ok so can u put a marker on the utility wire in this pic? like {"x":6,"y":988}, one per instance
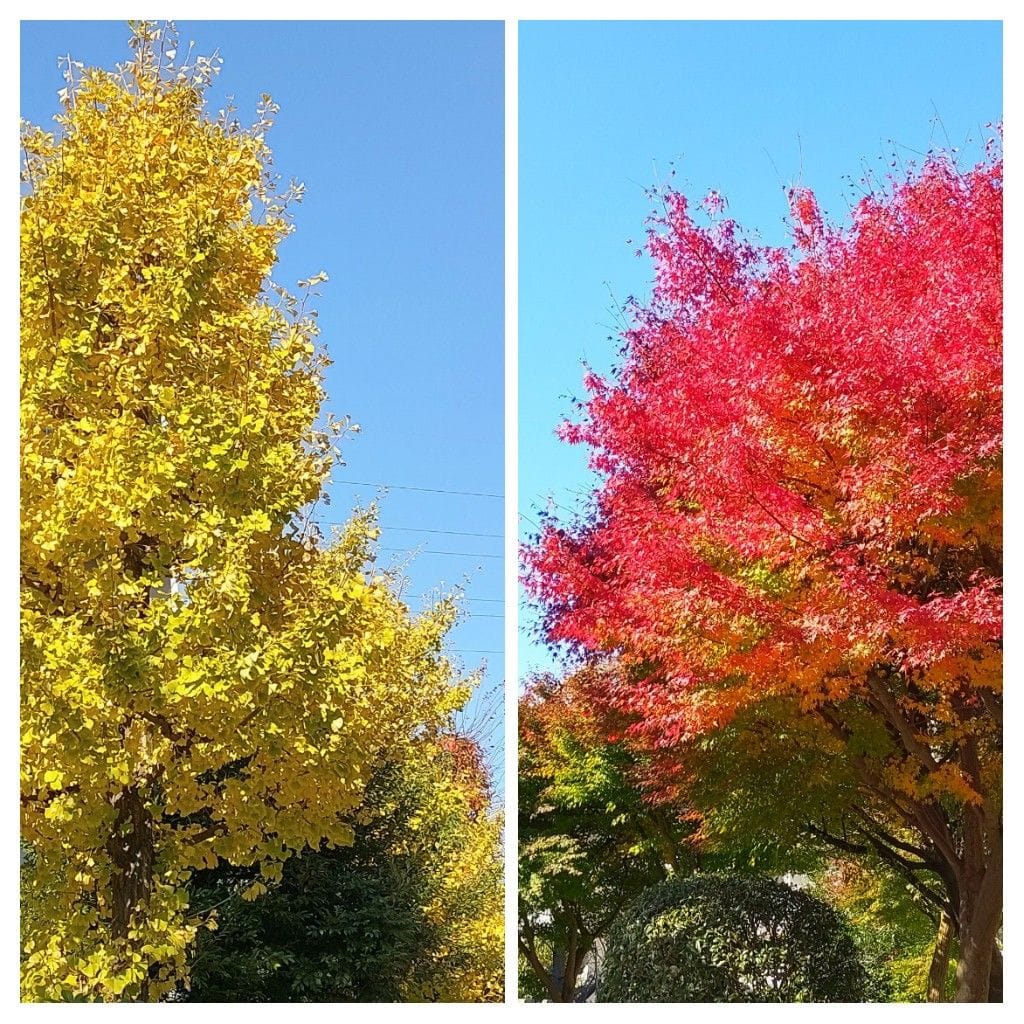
{"x":452,"y":533}
{"x":417,"y":529}
{"x":428,"y":490}
{"x":434,"y":551}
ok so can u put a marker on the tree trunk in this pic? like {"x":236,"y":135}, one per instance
{"x":527,"y":948}
{"x":130,"y":847}
{"x":940,"y":961}
{"x":974,"y":969}
{"x":995,"y":984}
{"x":981,"y":910}
{"x":558,"y":968}
{"x":566,"y":962}
{"x":572,"y":988}
{"x":570,"y":968}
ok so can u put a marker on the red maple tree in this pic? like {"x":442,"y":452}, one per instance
{"x":800,"y":499}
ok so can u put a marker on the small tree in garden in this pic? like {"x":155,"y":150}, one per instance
{"x":203,"y":680}
{"x":589,"y":839}
{"x":801,"y":507}
{"x":729,"y":939}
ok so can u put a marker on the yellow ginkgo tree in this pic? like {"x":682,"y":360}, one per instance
{"x":203,"y":678}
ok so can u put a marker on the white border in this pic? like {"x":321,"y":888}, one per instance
{"x":528,"y":10}
{"x":466,"y":9}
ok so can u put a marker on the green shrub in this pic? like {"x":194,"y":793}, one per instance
{"x":731,"y":939}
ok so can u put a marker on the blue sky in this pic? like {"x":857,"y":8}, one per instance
{"x":397,"y":131}
{"x":608,"y":108}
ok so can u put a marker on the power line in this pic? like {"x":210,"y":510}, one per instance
{"x":470,"y":650}
{"x":484,"y":600}
{"x":416,"y":529}
{"x":463,"y":437}
{"x":453,"y":533}
{"x":428,"y":490}
{"x":434,"y":551}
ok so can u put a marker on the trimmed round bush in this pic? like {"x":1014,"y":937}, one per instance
{"x":731,"y":939}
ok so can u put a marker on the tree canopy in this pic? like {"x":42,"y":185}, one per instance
{"x":205,"y":678}
{"x":411,"y":911}
{"x":800,"y":505}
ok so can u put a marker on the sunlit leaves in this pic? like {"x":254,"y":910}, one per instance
{"x":203,"y":679}
{"x":800,"y":462}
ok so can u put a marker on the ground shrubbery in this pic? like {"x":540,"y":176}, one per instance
{"x":721,"y":938}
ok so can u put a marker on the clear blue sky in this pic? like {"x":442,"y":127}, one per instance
{"x":397,"y":131}
{"x":743,"y":107}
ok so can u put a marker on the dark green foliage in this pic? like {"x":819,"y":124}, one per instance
{"x":338,"y":928}
{"x":342,"y":925}
{"x":896,"y":974}
{"x":729,"y":939}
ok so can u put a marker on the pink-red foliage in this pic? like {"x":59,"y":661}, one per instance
{"x":801,"y":464}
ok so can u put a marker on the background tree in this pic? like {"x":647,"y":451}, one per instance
{"x":904,"y":947}
{"x":458,"y":836}
{"x":203,"y":679}
{"x":378,"y":921}
{"x":775,"y":794}
{"x":802,"y":501}
{"x":588,"y":838}
{"x":763,"y":796}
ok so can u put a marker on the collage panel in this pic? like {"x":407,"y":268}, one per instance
{"x":262,"y":433}
{"x":760,"y":505}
